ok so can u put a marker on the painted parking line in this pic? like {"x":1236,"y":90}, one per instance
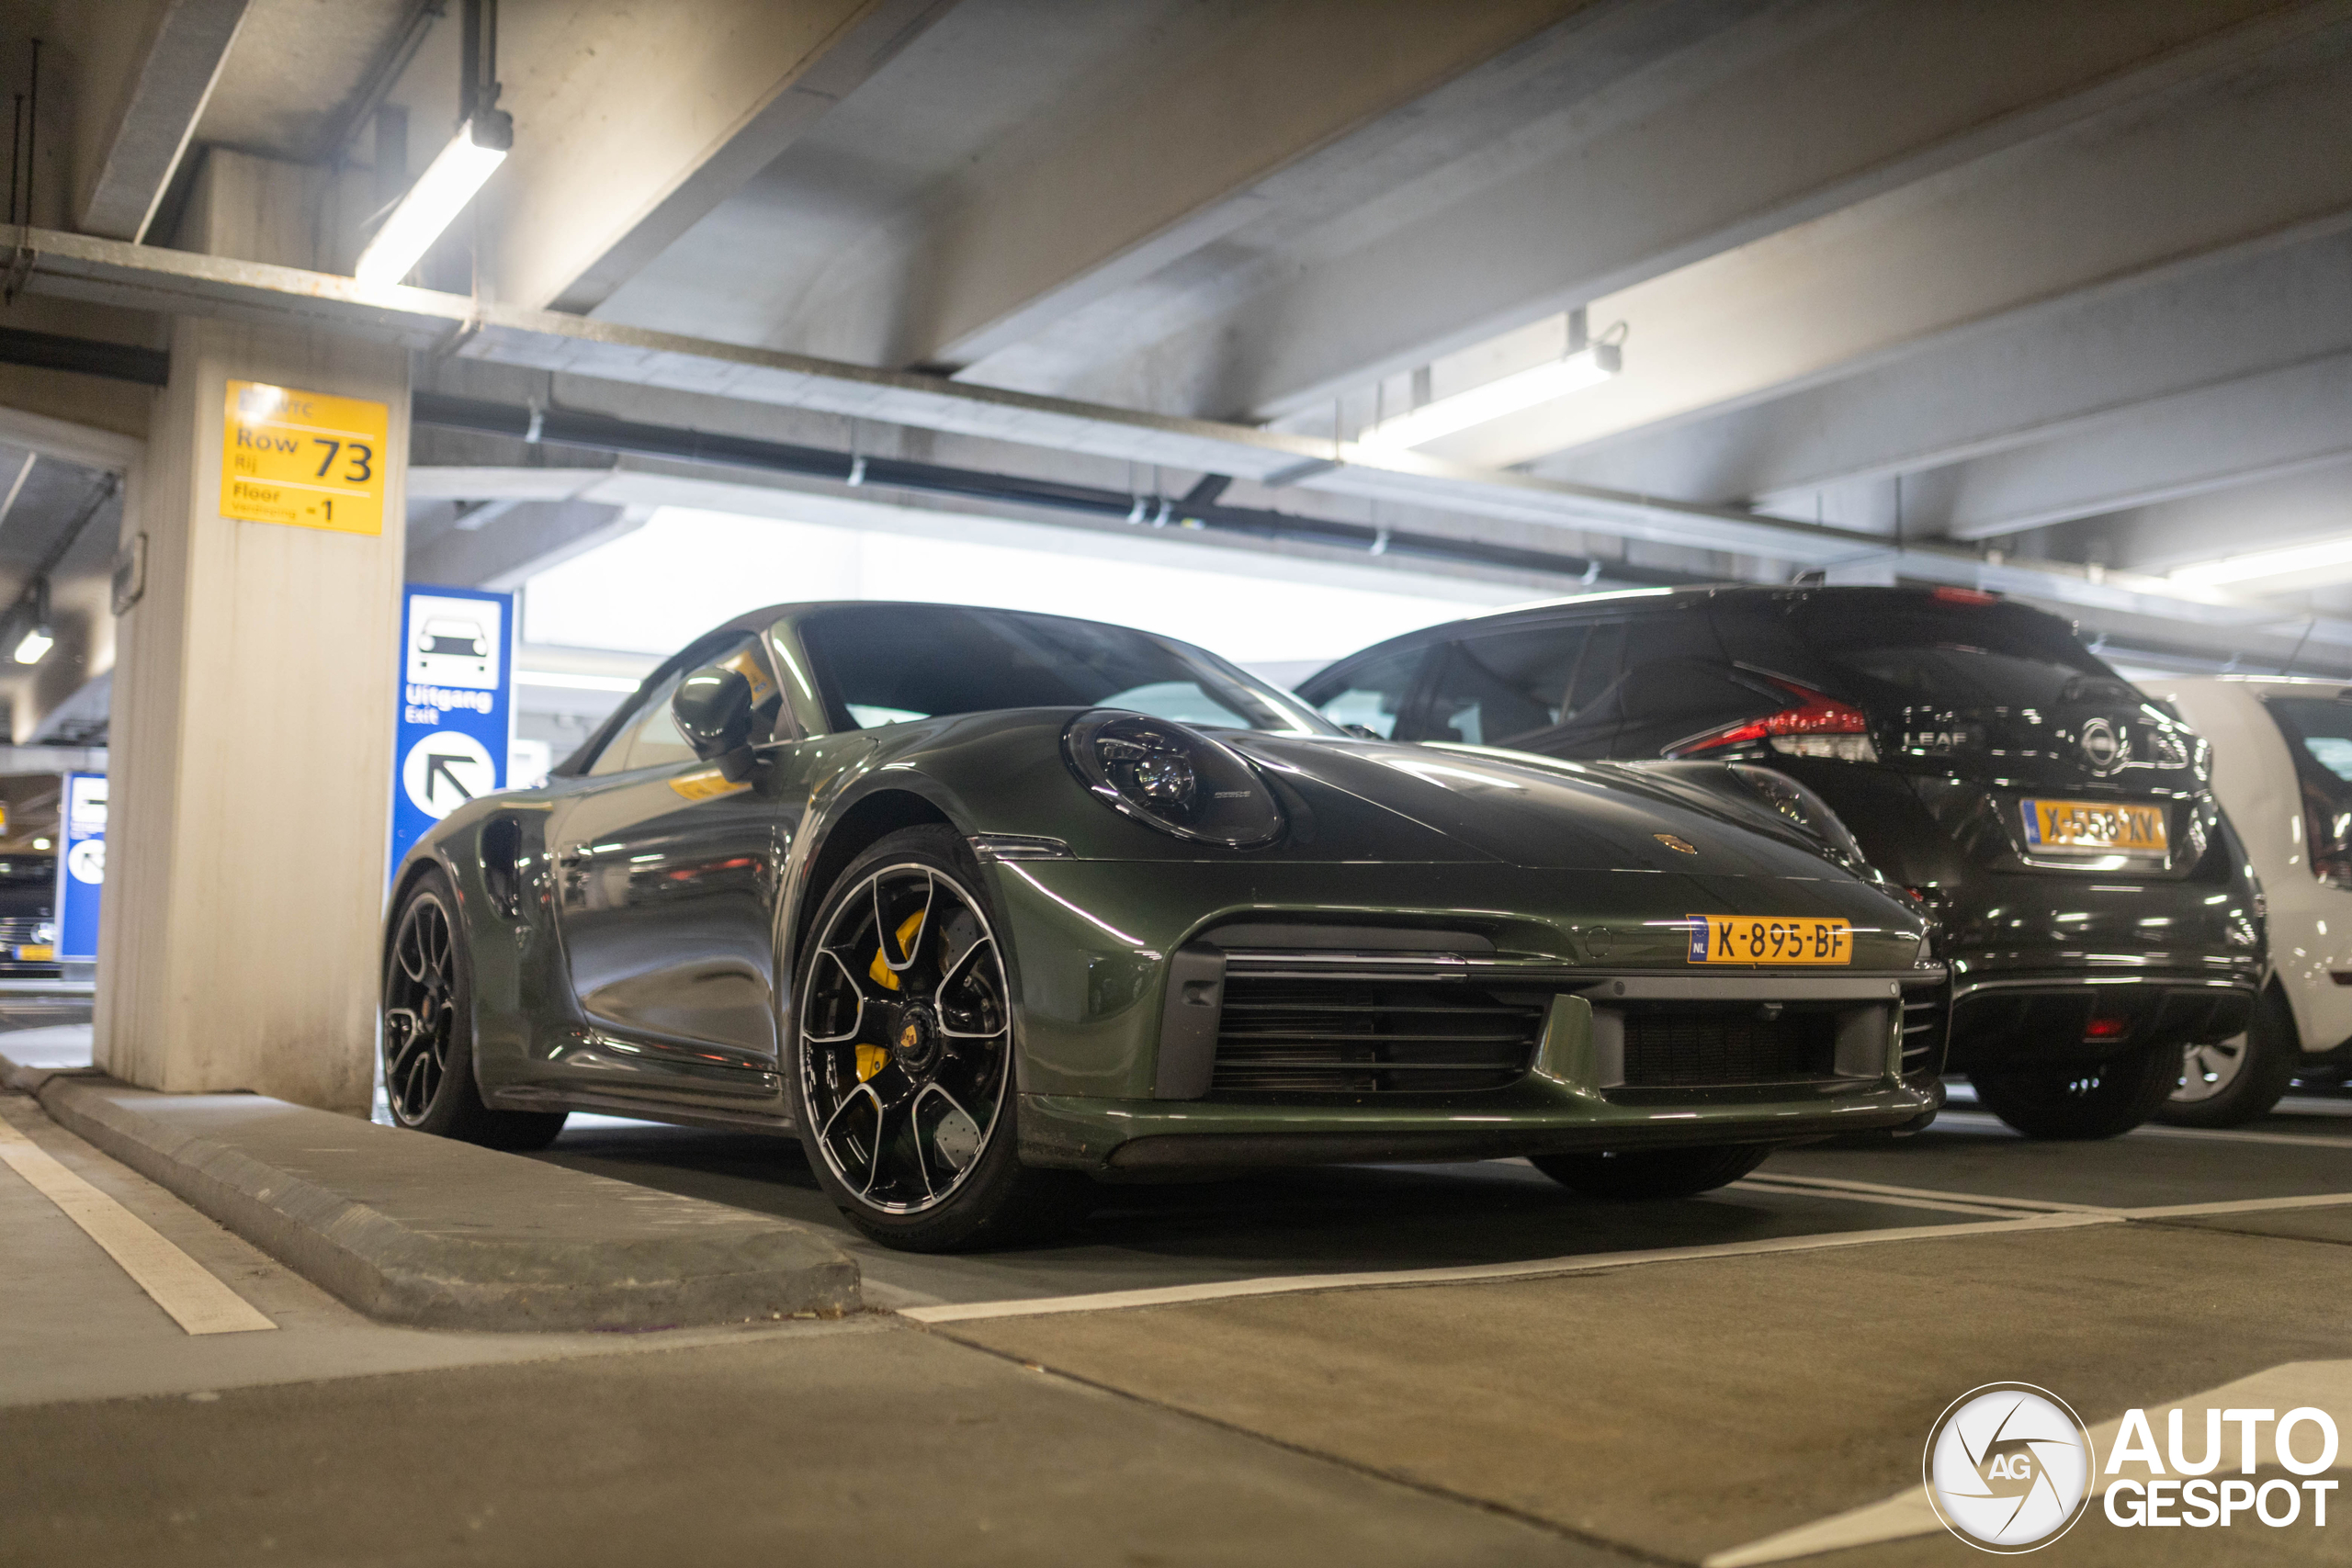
{"x":1934,"y":1197}
{"x":1829,"y":1185}
{"x":1476,"y":1273}
{"x":2240,"y":1206}
{"x":1937,"y":1203}
{"x":178,"y":1284}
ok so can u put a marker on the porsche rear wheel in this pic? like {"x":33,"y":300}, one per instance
{"x":903,"y":1059}
{"x":1632,"y":1175}
{"x":428,"y":1030}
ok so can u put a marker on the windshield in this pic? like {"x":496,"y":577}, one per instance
{"x":1966,"y":657}
{"x":887,"y":663}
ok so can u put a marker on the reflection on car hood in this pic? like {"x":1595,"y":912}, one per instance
{"x":1532,"y":811}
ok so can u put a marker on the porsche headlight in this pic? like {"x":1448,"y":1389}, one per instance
{"x":1806,"y":809}
{"x":1174,"y":778}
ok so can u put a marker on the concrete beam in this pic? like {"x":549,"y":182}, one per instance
{"x":1800,"y":114}
{"x":2040,"y":374}
{"x":2294,"y":509}
{"x":2263,"y":158}
{"x":2261,"y":427}
{"x":526,"y":538}
{"x":636,"y":120}
{"x":197,"y":286}
{"x":1140,"y":172}
{"x":131,"y":162}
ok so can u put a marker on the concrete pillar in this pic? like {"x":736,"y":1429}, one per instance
{"x":252,"y":734}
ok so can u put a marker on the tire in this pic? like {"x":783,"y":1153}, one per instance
{"x":2240,"y":1079}
{"x":2103,"y":1100}
{"x":1634,"y":1174}
{"x":902,"y":1089}
{"x":428,"y":1059}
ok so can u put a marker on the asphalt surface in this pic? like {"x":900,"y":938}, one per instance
{"x":1660,"y":1383}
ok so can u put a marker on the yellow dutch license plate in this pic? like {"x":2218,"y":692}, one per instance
{"x":31,"y":953}
{"x":1752,"y":939}
{"x":2095,"y":827}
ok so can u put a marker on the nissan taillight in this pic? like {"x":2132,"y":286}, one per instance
{"x":1817,"y":726}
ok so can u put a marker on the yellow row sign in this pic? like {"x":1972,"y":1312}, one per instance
{"x":304,"y":458}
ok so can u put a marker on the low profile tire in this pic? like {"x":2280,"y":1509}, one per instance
{"x":428,"y":1030}
{"x":2102,"y":1100}
{"x":2234,"y":1080}
{"x":1638,"y":1173}
{"x":903,"y":1057}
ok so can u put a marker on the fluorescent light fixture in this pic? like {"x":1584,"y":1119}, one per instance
{"x":2292,"y":561}
{"x":35,"y":646}
{"x":569,"y":682}
{"x":434,"y":202}
{"x":1588,"y":367}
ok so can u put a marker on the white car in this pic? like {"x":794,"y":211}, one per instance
{"x":2282,"y":769}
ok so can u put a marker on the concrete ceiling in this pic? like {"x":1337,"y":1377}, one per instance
{"x":2062,"y":291}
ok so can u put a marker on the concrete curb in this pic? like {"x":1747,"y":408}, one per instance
{"x":442,"y":1234}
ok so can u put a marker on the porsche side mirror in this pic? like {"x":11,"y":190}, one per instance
{"x":713,"y":707}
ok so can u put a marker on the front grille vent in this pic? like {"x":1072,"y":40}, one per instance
{"x":1287,"y":1034}
{"x":1696,"y":1049}
{"x":1926,"y":1024}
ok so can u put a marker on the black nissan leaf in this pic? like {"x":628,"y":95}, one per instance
{"x":2096,"y":910}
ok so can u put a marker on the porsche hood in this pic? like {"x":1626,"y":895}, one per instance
{"x":1530,"y":812}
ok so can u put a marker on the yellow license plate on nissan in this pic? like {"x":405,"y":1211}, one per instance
{"x":1766,"y":939}
{"x":2094,"y":827}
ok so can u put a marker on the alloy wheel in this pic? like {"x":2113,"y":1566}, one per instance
{"x":2209,"y":1068}
{"x":905,"y":1039}
{"x":420,"y":1011}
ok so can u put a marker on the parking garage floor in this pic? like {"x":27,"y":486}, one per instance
{"x":1451,"y":1364}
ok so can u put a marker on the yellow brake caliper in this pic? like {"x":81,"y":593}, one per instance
{"x":872,"y":1059}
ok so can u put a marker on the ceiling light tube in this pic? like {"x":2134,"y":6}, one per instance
{"x":1588,"y":367}
{"x":434,"y":202}
{"x":35,"y":646}
{"x":2290,"y":560}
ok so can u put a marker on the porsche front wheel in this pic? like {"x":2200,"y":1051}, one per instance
{"x":903,"y":1056}
{"x":1633,"y":1174}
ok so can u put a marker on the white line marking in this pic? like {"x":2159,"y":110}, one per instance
{"x":2217,"y":1135}
{"x":1880,"y":1200}
{"x":1300,"y":1285}
{"x":2241,"y":1206}
{"x":1840,"y":1184}
{"x":1830,"y":1187}
{"x":2327,"y":1384}
{"x":179,"y":1284}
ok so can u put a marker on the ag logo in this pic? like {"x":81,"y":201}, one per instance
{"x":2008,"y":1467}
{"x":2102,"y":746}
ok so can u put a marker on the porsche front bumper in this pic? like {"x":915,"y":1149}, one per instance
{"x":1118,"y":1080}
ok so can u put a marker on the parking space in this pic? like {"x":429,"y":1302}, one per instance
{"x":1458,"y":1364}
{"x":1967,"y":1170}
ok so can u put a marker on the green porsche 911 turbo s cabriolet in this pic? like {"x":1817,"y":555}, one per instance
{"x":986,"y":908}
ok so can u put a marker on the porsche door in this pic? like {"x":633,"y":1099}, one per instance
{"x":666,"y":874}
